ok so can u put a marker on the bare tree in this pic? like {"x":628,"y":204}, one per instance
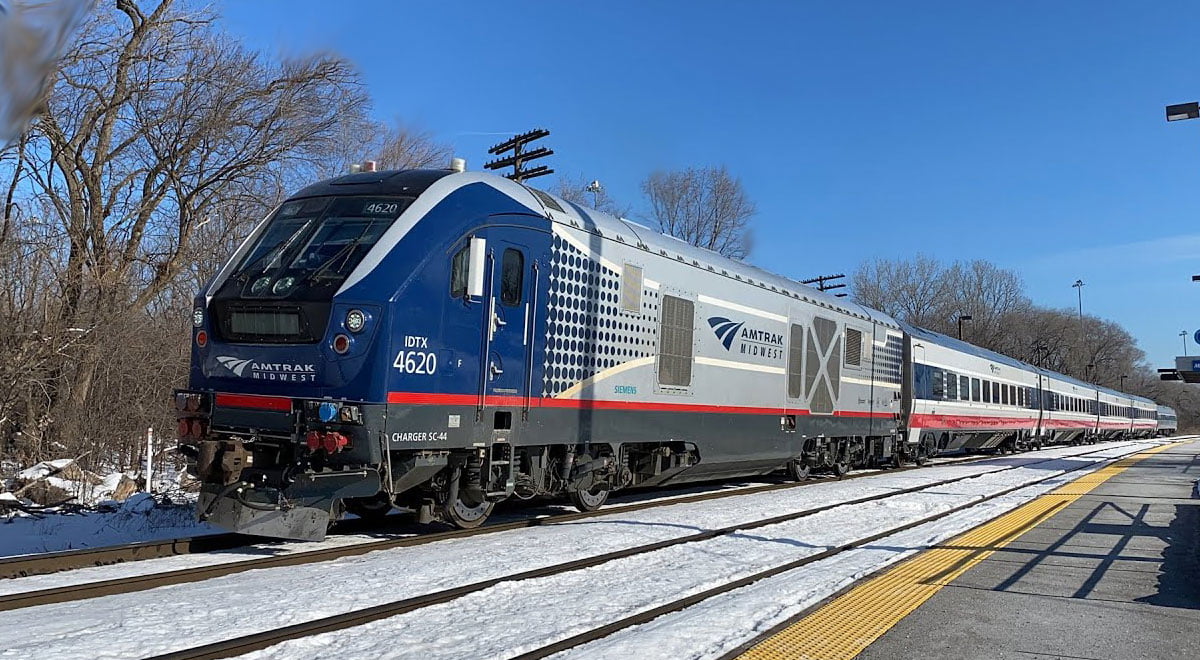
{"x":914,"y":291}
{"x":706,"y":207}
{"x":160,"y":143}
{"x":989,"y":295}
{"x":575,"y":190}
{"x":393,"y":147}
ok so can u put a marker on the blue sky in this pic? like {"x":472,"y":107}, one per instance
{"x":1030,"y":134}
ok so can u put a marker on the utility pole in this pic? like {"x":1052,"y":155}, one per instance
{"x":961,"y":318}
{"x":1183,"y":333}
{"x":823,"y":283}
{"x":520,"y":157}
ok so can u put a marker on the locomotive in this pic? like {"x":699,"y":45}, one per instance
{"x":443,"y":340}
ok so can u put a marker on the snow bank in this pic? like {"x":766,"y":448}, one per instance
{"x":140,"y":518}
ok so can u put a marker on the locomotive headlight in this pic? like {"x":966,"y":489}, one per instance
{"x":355,"y":320}
{"x":284,"y":285}
{"x":260,"y":285}
{"x":198,"y":317}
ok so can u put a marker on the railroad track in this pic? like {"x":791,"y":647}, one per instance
{"x":265,"y":639}
{"x":73,"y":559}
{"x":67,"y":560}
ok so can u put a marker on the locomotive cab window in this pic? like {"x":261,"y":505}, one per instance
{"x":458,"y":272}
{"x":512,"y":274}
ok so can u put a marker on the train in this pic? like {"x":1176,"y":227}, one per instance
{"x":444,"y":340}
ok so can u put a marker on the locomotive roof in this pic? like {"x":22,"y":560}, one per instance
{"x":414,"y":182}
{"x":387,"y":182}
{"x":665,"y":245}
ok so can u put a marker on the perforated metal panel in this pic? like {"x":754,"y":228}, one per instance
{"x":586,"y":331}
{"x":675,"y":342}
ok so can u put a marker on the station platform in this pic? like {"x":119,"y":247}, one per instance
{"x":1104,"y":568}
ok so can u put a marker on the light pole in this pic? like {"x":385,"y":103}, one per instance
{"x":1183,"y":111}
{"x":595,"y":188}
{"x":961,"y":318}
{"x":1183,"y":333}
{"x":1078,"y":286}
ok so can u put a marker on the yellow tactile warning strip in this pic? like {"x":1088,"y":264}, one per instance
{"x":842,"y":628}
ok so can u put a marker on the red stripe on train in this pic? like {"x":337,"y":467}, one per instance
{"x":415,"y":398}
{"x":257,"y":401}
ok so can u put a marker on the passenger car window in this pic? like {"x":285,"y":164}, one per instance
{"x":512,"y":274}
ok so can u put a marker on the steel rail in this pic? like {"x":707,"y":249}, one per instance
{"x":66,"y":560}
{"x":265,"y":639}
{"x":81,"y":558}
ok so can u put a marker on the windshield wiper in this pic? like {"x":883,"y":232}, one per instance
{"x":343,"y":253}
{"x":269,"y":256}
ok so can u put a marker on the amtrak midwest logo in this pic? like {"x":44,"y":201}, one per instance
{"x":751,"y":342}
{"x":287,"y":372}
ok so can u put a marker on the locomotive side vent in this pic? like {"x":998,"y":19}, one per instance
{"x":853,"y":347}
{"x":631,"y":289}
{"x":675,"y":345}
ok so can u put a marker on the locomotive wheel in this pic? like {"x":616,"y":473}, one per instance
{"x":798,"y":469}
{"x":465,"y":514}
{"x":370,"y":508}
{"x":922,"y":455}
{"x":588,"y":500}
{"x":840,"y":468}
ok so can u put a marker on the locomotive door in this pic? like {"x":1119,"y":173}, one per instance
{"x":508,"y":328}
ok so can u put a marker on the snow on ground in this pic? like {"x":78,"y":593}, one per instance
{"x":618,"y":588}
{"x":721,"y":624}
{"x":135,"y":519}
{"x":482,"y":625}
{"x":178,"y":562}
